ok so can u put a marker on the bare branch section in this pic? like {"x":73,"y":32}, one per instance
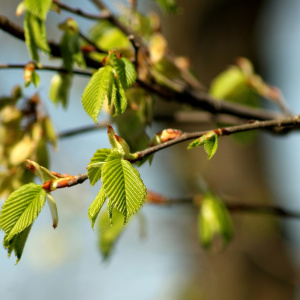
{"x":76,"y":131}
{"x":155,"y":198}
{"x":46,"y":68}
{"x":104,"y":15}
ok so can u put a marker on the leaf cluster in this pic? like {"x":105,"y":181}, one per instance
{"x":122,"y":185}
{"x":25,"y":132}
{"x":109,"y":84}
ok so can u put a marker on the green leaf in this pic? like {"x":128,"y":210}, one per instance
{"x":38,"y":8}
{"x":59,"y":88}
{"x":213,"y":220}
{"x":107,"y":36}
{"x":43,"y":173}
{"x":96,"y":206}
{"x":20,"y":209}
{"x":116,"y":142}
{"x":210,"y":142}
{"x":130,"y":72}
{"x":70,"y":45}
{"x":124,"y":69}
{"x":35,"y":35}
{"x":53,"y":209}
{"x":30,"y":75}
{"x":168,"y":6}
{"x":236,"y":84}
{"x":97,"y":90}
{"x":109,"y":231}
{"x":17,"y":243}
{"x":96,"y":163}
{"x":123,"y":185}
{"x":118,"y":97}
{"x":211,"y":145}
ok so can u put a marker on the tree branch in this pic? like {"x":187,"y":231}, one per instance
{"x":156,"y":198}
{"x":46,"y":68}
{"x":104,"y":15}
{"x":194,"y":98}
{"x":76,"y":131}
{"x":277,"y":126}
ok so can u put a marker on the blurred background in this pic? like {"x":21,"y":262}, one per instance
{"x":159,"y":255}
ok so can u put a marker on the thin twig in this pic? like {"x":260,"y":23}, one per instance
{"x":90,"y":42}
{"x":155,"y":198}
{"x":277,"y":125}
{"x":104,"y":15}
{"x":46,"y":68}
{"x":76,"y":131}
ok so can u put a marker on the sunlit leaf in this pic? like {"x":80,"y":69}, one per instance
{"x":35,"y":35}
{"x":97,"y":90}
{"x":38,"y":8}
{"x":41,"y":172}
{"x":17,"y":243}
{"x":210,"y":142}
{"x":96,"y":163}
{"x":20,"y":209}
{"x":30,"y":76}
{"x":123,"y":185}
{"x":116,"y":142}
{"x":107,"y":37}
{"x":53,"y":209}
{"x":96,"y":206}
{"x":211,"y":145}
{"x":70,"y":45}
{"x":118,"y":97}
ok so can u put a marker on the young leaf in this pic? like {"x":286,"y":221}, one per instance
{"x":96,"y":206}
{"x":213,"y":220}
{"x":96,"y":163}
{"x":118,"y":97}
{"x":210,"y":146}
{"x":124,"y":70}
{"x":20,"y":209}
{"x":35,"y":35}
{"x":116,"y":142}
{"x":97,"y":90}
{"x":38,"y":8}
{"x":17,"y":243}
{"x":109,"y":231}
{"x":70,"y":46}
{"x":59,"y":88}
{"x":41,"y":172}
{"x":123,"y":185}
{"x":53,"y":209}
{"x":30,"y":76}
{"x":210,"y":142}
